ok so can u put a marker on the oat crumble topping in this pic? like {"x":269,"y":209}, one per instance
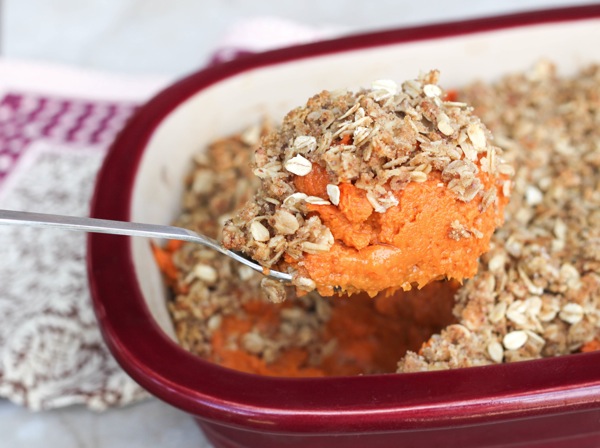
{"x":379,"y":140}
{"x":210,"y":287}
{"x":537,"y":293}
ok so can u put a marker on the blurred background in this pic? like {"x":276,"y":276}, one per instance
{"x":176,"y":36}
{"x":169,"y":38}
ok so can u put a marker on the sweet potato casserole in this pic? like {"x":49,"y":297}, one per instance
{"x":535,"y":286}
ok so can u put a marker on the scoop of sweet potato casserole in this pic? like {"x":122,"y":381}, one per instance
{"x":381,"y":189}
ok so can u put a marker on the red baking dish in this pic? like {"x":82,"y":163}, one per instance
{"x":550,"y":402}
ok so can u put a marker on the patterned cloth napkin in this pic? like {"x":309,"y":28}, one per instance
{"x":55,"y":126}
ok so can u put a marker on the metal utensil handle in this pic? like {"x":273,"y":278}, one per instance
{"x":126,"y":228}
{"x":96,"y":225}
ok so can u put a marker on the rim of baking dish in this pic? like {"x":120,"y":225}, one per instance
{"x":317,"y":405}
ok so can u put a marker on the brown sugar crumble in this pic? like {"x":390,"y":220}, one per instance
{"x":537,"y":290}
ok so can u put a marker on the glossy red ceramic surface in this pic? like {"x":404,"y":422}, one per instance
{"x":550,"y":402}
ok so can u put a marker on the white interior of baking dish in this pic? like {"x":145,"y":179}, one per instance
{"x":242,"y":100}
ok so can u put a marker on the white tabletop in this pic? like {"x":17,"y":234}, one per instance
{"x":171,"y":38}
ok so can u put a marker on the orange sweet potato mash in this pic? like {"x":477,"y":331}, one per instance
{"x":370,"y":334}
{"x":411,"y":244}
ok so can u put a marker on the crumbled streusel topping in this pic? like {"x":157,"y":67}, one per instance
{"x":211,"y":287}
{"x":537,"y":293}
{"x":377,"y":139}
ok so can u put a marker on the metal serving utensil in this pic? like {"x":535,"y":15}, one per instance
{"x":11,"y":217}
